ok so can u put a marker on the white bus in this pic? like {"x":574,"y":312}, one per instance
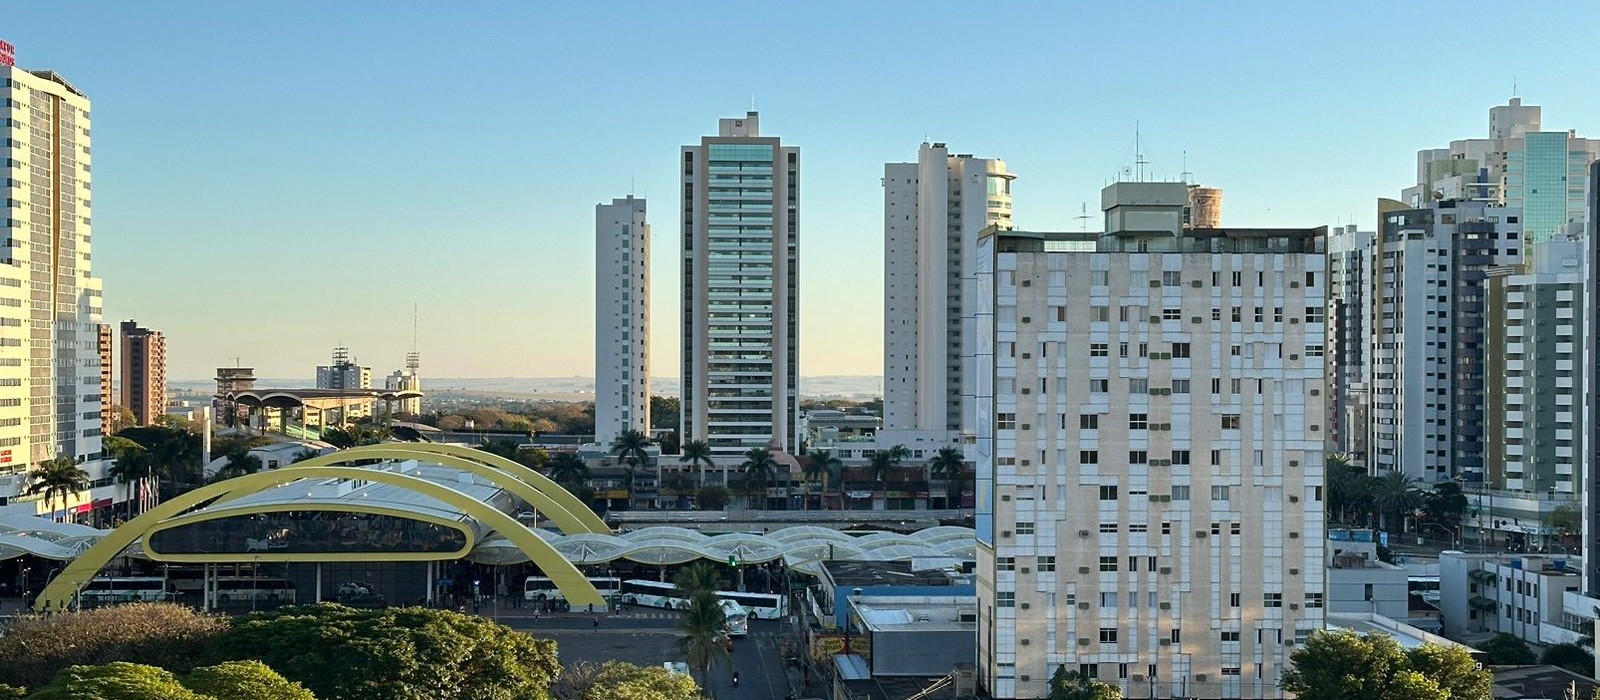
{"x":657,"y":594}
{"x":110,"y":590}
{"x":738,"y":623}
{"x":540,"y":588}
{"x":250,"y":591}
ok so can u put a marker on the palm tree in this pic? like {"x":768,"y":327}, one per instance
{"x":630,"y":448}
{"x":568,"y":470}
{"x":303,"y":455}
{"x":699,"y":577}
{"x":897,"y":454}
{"x":703,"y":624}
{"x":758,"y":469}
{"x":820,"y":465}
{"x":882,"y":462}
{"x":1395,"y":493}
{"x":131,"y":463}
{"x":949,"y":467}
{"x":240,"y":462}
{"x":697,"y":455}
{"x":59,"y":477}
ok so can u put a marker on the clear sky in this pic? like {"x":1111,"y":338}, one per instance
{"x":275,"y":178}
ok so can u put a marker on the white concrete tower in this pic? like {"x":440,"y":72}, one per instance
{"x":49,"y":301}
{"x":621,"y":319}
{"x":933,"y":210}
{"x":741,"y":290}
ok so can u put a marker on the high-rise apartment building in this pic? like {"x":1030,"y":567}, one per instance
{"x":343,"y":372}
{"x":1149,"y":450}
{"x":933,"y":211}
{"x":1349,"y":326}
{"x":50,"y":384}
{"x":1589,"y":467}
{"x":1533,"y":386}
{"x":621,"y":319}
{"x":105,"y":340}
{"x":741,"y":289}
{"x":1519,"y":166}
{"x":144,"y":373}
{"x":407,"y":379}
{"x":1427,"y":353}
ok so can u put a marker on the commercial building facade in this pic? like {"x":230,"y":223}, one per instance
{"x":741,"y":290}
{"x":1349,"y":330}
{"x":933,"y":211}
{"x":1150,"y":452}
{"x":144,"y":372}
{"x":621,"y":319}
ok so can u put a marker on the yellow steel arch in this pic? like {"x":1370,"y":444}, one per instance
{"x":210,"y":513}
{"x":517,"y":479}
{"x":562,"y":573}
{"x":575,"y":506}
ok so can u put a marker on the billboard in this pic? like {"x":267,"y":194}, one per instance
{"x":8,"y":54}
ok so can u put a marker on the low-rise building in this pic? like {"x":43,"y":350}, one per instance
{"x":1523,"y":595}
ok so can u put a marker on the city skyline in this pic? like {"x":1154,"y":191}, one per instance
{"x":242,"y":141}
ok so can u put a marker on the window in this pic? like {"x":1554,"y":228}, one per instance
{"x":1236,"y":315}
{"x":1138,"y":386}
{"x":1005,"y":563}
{"x":1108,"y":563}
{"x":1098,"y":278}
{"x":1180,"y":458}
{"x":1090,"y":457}
{"x":1233,"y":600}
{"x":1230,"y":421}
{"x":1138,"y":457}
{"x":1133,"y":563}
{"x":1180,"y":386}
{"x":1108,"y":600}
{"x":1273,"y":600}
{"x":1100,"y":313}
{"x":1089,"y":421}
{"x":1138,"y":421}
{"x":1097,"y":349}
{"x":1108,"y":635}
{"x":1172,"y":314}
{"x":1005,"y":421}
{"x":1109,"y":528}
{"x":1025,"y":528}
{"x":1047,"y":564}
{"x":1176,"y":636}
{"x":1171,"y":278}
{"x":1180,"y":350}
{"x":1180,"y":492}
{"x":1099,"y":386}
{"x":1108,"y":493}
{"x":1230,"y":670}
{"x":1219,"y":493}
{"x":1230,"y":636}
{"x":1313,"y":351}
{"x":1005,"y":599}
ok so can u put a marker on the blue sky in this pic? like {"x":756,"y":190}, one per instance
{"x":273,"y":179}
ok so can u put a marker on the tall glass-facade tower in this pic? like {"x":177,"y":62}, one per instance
{"x":740,"y":290}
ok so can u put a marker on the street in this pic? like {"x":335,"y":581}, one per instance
{"x":649,"y":637}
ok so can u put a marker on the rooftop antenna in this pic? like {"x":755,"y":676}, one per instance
{"x":1138,"y":155}
{"x":752,"y":102}
{"x":1083,"y":219}
{"x":1187,"y":176}
{"x":1513,"y":86}
{"x":413,"y":359}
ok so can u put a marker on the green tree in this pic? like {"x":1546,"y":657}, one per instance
{"x":949,"y":466}
{"x":1070,"y":685}
{"x":34,"y":648}
{"x":664,"y":413}
{"x":131,"y":463}
{"x":57,"y":478}
{"x":304,"y":454}
{"x":631,"y":447}
{"x":568,"y":470}
{"x":670,"y":443}
{"x":1569,"y":656}
{"x":703,"y":624}
{"x":712,"y":497}
{"x":355,"y":435}
{"x":1445,"y":504}
{"x":757,"y":471}
{"x":699,"y":577}
{"x":821,"y":465}
{"x":898,"y":454}
{"x":1567,"y":520}
{"x":879,"y":467}
{"x":696,"y":455}
{"x":393,"y":653}
{"x":240,"y":462}
{"x":118,"y":680}
{"x":617,"y":680}
{"x":1344,"y":665}
{"x":1507,"y":650}
{"x":239,"y":680}
{"x":175,"y":454}
{"x":11,"y":692}
{"x":1396,"y":494}
{"x":1349,"y":488}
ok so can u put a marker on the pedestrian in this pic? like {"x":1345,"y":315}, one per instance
{"x":597,"y":624}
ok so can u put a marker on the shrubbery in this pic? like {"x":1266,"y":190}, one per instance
{"x":35,"y":649}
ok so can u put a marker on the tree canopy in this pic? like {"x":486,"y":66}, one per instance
{"x":35,"y":649}
{"x":1071,"y":685}
{"x":1344,"y":665}
{"x":616,"y":680}
{"x":342,"y":653}
{"x":1508,"y":650}
{"x":120,"y":680}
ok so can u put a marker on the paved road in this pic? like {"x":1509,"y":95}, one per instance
{"x":650,"y":638}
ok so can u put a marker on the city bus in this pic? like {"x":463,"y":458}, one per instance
{"x":658,"y":594}
{"x":738,"y":623}
{"x":111,"y":590}
{"x":541,"y":588}
{"x":237,"y":591}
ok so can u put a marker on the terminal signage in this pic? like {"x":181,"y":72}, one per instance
{"x":8,"y":54}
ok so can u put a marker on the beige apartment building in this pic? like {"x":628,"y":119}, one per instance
{"x":144,"y":372}
{"x":1149,"y":414}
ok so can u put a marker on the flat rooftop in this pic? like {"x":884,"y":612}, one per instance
{"x":883,"y":573}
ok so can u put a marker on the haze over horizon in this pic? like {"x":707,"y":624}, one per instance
{"x":275,"y":180}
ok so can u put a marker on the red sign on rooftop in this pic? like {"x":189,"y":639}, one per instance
{"x":8,"y":54}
